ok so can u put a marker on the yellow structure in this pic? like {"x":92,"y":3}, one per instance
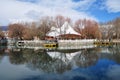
{"x":103,"y":43}
{"x":50,"y":45}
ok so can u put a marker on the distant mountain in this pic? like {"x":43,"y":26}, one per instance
{"x":4,"y":28}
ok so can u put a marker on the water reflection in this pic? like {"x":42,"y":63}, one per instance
{"x":99,"y":63}
{"x":86,"y":58}
{"x":16,"y":57}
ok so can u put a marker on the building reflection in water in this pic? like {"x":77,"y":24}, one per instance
{"x":59,"y":61}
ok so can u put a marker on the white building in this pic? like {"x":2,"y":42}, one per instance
{"x":65,"y":29}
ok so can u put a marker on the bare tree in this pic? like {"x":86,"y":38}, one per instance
{"x":92,"y":30}
{"x":79,"y":26}
{"x":16,"y":30}
{"x":114,"y":28}
{"x":107,"y":30}
{"x":1,"y":33}
{"x":117,"y":27}
{"x":59,"y":21}
{"x":45,"y":26}
{"x":87,"y":28}
{"x":30,"y":31}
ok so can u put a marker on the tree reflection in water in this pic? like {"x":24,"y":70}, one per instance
{"x":86,"y":58}
{"x":62,"y":61}
{"x":37,"y":60}
{"x":16,"y":57}
{"x":44,"y":62}
{"x":55,"y":62}
{"x":115,"y":50}
{"x":2,"y":52}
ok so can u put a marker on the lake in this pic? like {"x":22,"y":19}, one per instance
{"x":98,"y":63}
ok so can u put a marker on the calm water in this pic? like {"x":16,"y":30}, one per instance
{"x":101,"y":63}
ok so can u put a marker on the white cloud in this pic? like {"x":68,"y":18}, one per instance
{"x":17,"y":10}
{"x":13,"y":10}
{"x":113,"y":5}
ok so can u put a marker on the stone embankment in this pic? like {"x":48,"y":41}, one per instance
{"x":62,"y":44}
{"x":76,"y":44}
{"x":116,"y":41}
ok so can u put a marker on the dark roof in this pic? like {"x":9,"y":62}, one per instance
{"x":70,"y":36}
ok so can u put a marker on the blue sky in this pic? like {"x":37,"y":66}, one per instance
{"x":32,"y":10}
